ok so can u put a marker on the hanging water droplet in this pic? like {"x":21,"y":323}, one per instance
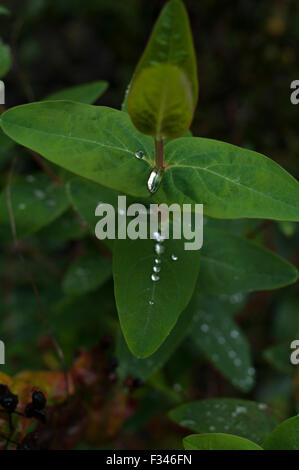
{"x":155,"y":179}
{"x":157,"y":261}
{"x":205,"y":328}
{"x":158,"y":237}
{"x":174,"y":257}
{"x":159,"y":249}
{"x":155,"y":277}
{"x":30,"y":178}
{"x":22,"y":206}
{"x":39,"y":194}
{"x":139,"y":154}
{"x":156,"y":269}
{"x":151,"y":302}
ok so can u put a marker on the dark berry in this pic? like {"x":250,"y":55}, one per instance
{"x":31,"y":412}
{"x":9,"y":401}
{"x":39,"y":400}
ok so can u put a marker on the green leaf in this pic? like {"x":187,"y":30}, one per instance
{"x":85,"y":196}
{"x":69,"y":226}
{"x":218,"y":337}
{"x":148,"y":310}
{"x":278,"y":356}
{"x":95,"y":142}
{"x":285,"y":436}
{"x":145,"y":368}
{"x":245,"y":418}
{"x":218,"y":442}
{"x":87,"y":273}
{"x":88,"y":93}
{"x":229,"y":181}
{"x":36,"y":202}
{"x":164,"y":90}
{"x":5,"y":59}
{"x":232,"y":264}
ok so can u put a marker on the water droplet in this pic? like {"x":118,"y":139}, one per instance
{"x":154,"y":277}
{"x":234,"y":334}
{"x":139,"y":154}
{"x":159,"y":249}
{"x":251,"y":371}
{"x":174,"y":257}
{"x":157,"y":261}
{"x":158,"y":237}
{"x":186,"y":423}
{"x":237,"y":362}
{"x":39,"y":194}
{"x":156,"y":269}
{"x":241,"y":409}
{"x":212,"y":428}
{"x":262,"y":406}
{"x":22,"y":206}
{"x":232,"y":354}
{"x":155,"y":179}
{"x":30,"y":178}
{"x":151,"y":302}
{"x":205,"y":328}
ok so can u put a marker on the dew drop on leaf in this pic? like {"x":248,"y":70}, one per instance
{"x":159,"y":249}
{"x":154,"y":180}
{"x":139,"y":154}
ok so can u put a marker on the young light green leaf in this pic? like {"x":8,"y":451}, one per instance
{"x":95,"y":142}
{"x":229,"y":181}
{"x":218,"y":442}
{"x":87,"y":273}
{"x":285,"y":436}
{"x":245,"y":418}
{"x":149,"y":301}
{"x":5,"y":59}
{"x":36,"y":202}
{"x":232,"y":264}
{"x":145,"y":368}
{"x":218,"y":337}
{"x":164,"y":89}
{"x":88,"y":93}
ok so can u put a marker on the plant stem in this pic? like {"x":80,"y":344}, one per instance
{"x":159,"y":153}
